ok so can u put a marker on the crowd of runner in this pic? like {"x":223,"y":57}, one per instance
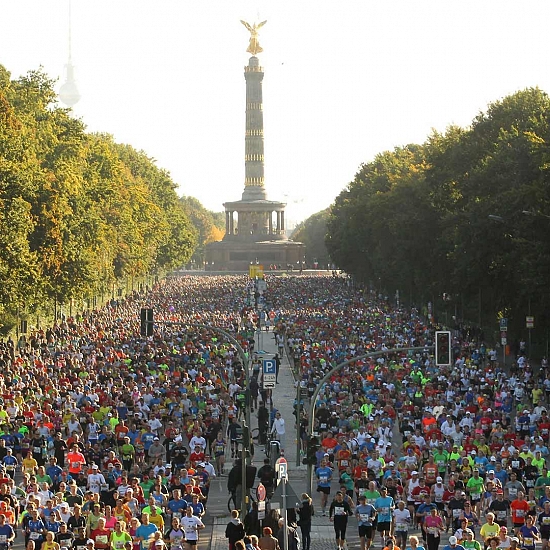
{"x":109,"y":440}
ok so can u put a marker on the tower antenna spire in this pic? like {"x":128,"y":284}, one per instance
{"x":68,"y":93}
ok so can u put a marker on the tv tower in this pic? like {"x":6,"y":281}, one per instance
{"x":68,"y":93}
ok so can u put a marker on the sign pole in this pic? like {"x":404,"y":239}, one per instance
{"x":298,"y":415}
{"x":244,"y":499}
{"x":285,"y":513}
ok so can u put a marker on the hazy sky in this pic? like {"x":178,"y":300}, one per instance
{"x":343,"y":81}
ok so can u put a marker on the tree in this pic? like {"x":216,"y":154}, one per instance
{"x":312,"y":232}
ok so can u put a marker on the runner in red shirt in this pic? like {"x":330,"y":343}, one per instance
{"x":76,"y":460}
{"x":519,"y":508}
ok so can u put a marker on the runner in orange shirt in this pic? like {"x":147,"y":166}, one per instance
{"x":76,"y":460}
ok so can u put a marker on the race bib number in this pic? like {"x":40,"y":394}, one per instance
{"x":520,"y":513}
{"x":34,"y":535}
{"x":456,"y":513}
{"x":546,"y":520}
{"x":102,"y":539}
{"x":339,"y":511}
{"x":119,"y":544}
{"x":401,"y":527}
{"x":323,"y":479}
{"x":528,"y":541}
{"x":3,"y":539}
{"x":37,"y":450}
{"x":344,"y":463}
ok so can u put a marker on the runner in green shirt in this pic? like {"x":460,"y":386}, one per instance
{"x":475,"y":488}
{"x":441,"y":458}
{"x":469,"y":542}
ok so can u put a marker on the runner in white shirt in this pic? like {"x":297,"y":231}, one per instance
{"x":95,"y":480}
{"x":191,"y":526}
{"x":197,"y":440}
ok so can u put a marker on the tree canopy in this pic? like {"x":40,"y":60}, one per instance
{"x":78,"y":211}
{"x":465,"y":214}
{"x":312,"y":232}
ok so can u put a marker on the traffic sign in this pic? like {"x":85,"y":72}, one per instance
{"x":292,"y":500}
{"x":529,"y":321}
{"x":503,"y":341}
{"x":503,"y":323}
{"x":269,"y":366}
{"x":268,"y":384}
{"x":261,"y":492}
{"x":261,"y":509}
{"x":282,"y":468}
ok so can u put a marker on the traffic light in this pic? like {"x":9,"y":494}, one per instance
{"x":311,"y":452}
{"x":246,"y":436}
{"x":443,"y":348}
{"x":147,"y":321}
{"x":243,"y":436}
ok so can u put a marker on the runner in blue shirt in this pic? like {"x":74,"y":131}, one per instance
{"x":324,"y":478}
{"x":385,"y":506}
{"x":366,"y":514}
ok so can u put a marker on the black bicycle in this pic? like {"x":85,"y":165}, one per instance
{"x":232,"y":503}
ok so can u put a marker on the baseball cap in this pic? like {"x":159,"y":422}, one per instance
{"x":453,"y":540}
{"x":414,"y":473}
{"x":439,"y":479}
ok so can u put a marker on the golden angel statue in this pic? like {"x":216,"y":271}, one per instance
{"x":254,"y":44}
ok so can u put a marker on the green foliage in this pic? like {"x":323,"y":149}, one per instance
{"x":210,"y":226}
{"x":417,"y":218}
{"x":312,"y":232}
{"x":78,"y":211}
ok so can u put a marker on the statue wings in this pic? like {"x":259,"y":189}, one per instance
{"x":256,"y":27}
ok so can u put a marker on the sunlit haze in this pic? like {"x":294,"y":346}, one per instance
{"x":343,"y":80}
